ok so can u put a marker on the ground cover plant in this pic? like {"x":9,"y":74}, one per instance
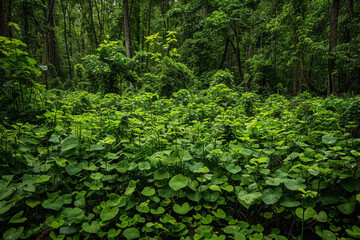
{"x":212,"y":165}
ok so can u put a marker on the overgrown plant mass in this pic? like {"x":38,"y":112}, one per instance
{"x":180,"y":119}
{"x":211,"y":165}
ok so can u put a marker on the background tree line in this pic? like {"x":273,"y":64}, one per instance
{"x":265,"y":45}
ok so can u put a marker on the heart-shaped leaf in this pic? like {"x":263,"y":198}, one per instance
{"x":54,"y":203}
{"x":328,"y":139}
{"x":161,"y":174}
{"x":270,"y":196}
{"x":178,"y":182}
{"x":73,"y":168}
{"x":131,"y":233}
{"x":295,"y":184}
{"x":94,"y":227}
{"x":71,"y":142}
{"x":148,"y":191}
{"x":108,"y":213}
{"x":13,"y":233}
{"x":184,"y":209}
{"x":76,"y":215}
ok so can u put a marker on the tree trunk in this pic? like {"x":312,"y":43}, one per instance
{"x":4,"y":24}
{"x":92,"y":25}
{"x":238,"y":55}
{"x":225,"y":53}
{"x":354,"y":41}
{"x":148,"y":33}
{"x":204,"y":12}
{"x":63,"y":8}
{"x":127,"y":29}
{"x":334,"y":14}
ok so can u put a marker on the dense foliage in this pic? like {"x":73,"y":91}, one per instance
{"x":212,"y":165}
{"x":310,"y":45}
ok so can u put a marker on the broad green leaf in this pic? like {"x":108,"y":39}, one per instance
{"x":13,"y":233}
{"x":93,"y":228}
{"x":295,"y":184}
{"x":69,"y":143}
{"x":108,"y":213}
{"x":347,"y":208}
{"x":321,"y":216}
{"x":131,"y":233}
{"x":80,"y":201}
{"x":161,"y":174}
{"x":76,"y":215}
{"x":249,"y":198}
{"x":17,"y":218}
{"x":184,"y":209}
{"x":328,"y":139}
{"x":178,"y":182}
{"x":328,"y":235}
{"x":354,"y":231}
{"x":54,"y":203}
{"x":73,"y":168}
{"x":113,"y":233}
{"x":219,"y":213}
{"x":270,"y":196}
{"x":309,"y":213}
{"x":32,"y":203}
{"x":147,"y":191}
{"x":131,"y":187}
{"x":144,"y":166}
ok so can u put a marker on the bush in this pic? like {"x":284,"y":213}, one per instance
{"x":223,"y":77}
{"x":170,"y":76}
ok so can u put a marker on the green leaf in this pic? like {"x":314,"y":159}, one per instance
{"x":270,"y":196}
{"x":347,"y":208}
{"x":80,"y":201}
{"x":233,"y":169}
{"x":108,"y":213}
{"x":76,"y":215}
{"x":54,"y":203}
{"x":289,"y":201}
{"x":309,"y":213}
{"x":131,"y":233}
{"x":219,"y":213}
{"x":354,"y":231}
{"x":161,"y":174}
{"x":131,"y":187}
{"x":328,"y":139}
{"x":159,"y":211}
{"x":144,"y":166}
{"x":69,"y":143}
{"x":17,"y":218}
{"x":294,"y":184}
{"x":43,"y":178}
{"x":249,"y":198}
{"x":147,"y":191}
{"x":113,"y":233}
{"x":321,"y":217}
{"x":93,"y":228}
{"x":73,"y":168}
{"x":32,"y":203}
{"x":13,"y":233}
{"x":184,"y":209}
{"x":178,"y":182}
{"x":328,"y":235}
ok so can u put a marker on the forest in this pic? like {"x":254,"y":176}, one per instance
{"x":180,"y":119}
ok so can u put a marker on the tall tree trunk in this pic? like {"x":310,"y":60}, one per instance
{"x":225,"y":53}
{"x":238,"y":55}
{"x":148,"y":32}
{"x":127,"y":29}
{"x":334,"y":14}
{"x":25,"y":15}
{"x":92,"y":25}
{"x":4,"y":24}
{"x":63,"y":8}
{"x":354,"y":41}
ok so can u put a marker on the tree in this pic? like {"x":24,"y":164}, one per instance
{"x":127,"y":29}
{"x":4,"y":25}
{"x":334,"y":15}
